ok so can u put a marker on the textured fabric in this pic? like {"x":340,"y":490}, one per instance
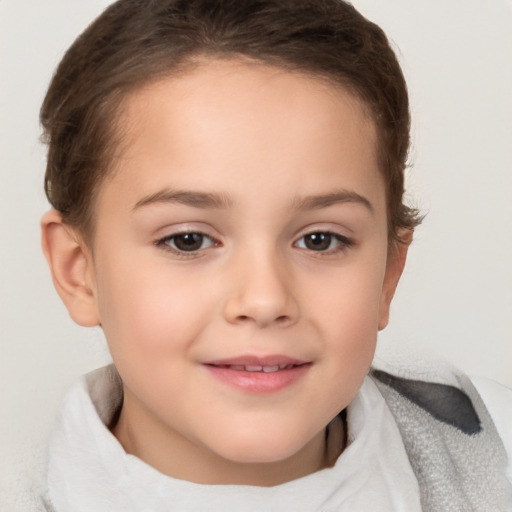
{"x":453,"y":445}
{"x":89,"y":471}
{"x":498,"y":400}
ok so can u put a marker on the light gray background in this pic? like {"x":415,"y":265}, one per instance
{"x":455,"y":298}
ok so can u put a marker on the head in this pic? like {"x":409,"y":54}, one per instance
{"x":227,"y":182}
{"x":135,"y":43}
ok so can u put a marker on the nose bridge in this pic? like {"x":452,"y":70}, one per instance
{"x":261,"y":291}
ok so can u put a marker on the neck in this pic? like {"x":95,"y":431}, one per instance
{"x":176,"y":456}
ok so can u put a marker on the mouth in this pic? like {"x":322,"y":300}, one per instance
{"x":258,"y":375}
{"x":256,"y":368}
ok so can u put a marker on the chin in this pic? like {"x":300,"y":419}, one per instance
{"x":261,"y":449}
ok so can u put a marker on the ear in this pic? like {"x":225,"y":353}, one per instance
{"x":71,"y":267}
{"x":397,"y":255}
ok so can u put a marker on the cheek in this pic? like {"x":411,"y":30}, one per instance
{"x":149,"y":312}
{"x":347,"y":313}
{"x":349,"y":300}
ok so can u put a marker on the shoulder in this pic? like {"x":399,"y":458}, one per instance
{"x":457,"y":435}
{"x":498,"y":400}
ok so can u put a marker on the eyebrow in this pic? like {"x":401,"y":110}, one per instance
{"x":189,"y":198}
{"x":324,"y":200}
{"x":219,"y":201}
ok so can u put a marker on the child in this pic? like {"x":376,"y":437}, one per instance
{"x":226,"y":180}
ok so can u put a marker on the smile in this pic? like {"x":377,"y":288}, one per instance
{"x":258,"y":368}
{"x":258,"y":375}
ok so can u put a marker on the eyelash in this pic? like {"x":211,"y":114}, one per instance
{"x":344,"y":243}
{"x":164,"y":244}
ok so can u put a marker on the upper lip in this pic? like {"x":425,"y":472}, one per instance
{"x":252,"y":360}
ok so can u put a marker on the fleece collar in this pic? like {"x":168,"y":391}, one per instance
{"x":89,"y":470}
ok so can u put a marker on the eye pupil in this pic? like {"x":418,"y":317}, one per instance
{"x":189,"y":241}
{"x":318,"y":241}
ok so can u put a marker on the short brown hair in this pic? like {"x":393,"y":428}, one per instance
{"x":137,"y":41}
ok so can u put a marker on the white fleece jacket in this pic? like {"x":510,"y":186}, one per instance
{"x":88,"y":470}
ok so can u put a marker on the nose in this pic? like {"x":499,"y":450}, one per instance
{"x":261,"y":293}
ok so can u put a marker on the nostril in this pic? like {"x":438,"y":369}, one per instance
{"x":280,"y":319}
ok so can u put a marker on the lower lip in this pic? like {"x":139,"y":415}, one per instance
{"x":259,"y":382}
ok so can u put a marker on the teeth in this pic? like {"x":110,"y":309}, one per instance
{"x":258,"y":368}
{"x":253,"y":368}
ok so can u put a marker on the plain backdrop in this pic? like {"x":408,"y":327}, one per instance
{"x":455,"y":298}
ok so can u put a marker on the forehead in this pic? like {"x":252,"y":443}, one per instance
{"x":224,"y":120}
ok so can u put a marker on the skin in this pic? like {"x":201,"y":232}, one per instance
{"x":265,"y":142}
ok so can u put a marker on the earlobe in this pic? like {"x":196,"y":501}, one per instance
{"x":394,"y":268}
{"x":71,"y":268}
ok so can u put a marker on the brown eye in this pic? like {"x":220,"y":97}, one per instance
{"x":187,"y":242}
{"x":322,"y":241}
{"x":318,"y":241}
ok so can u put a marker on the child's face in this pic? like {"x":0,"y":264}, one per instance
{"x":245,"y":225}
